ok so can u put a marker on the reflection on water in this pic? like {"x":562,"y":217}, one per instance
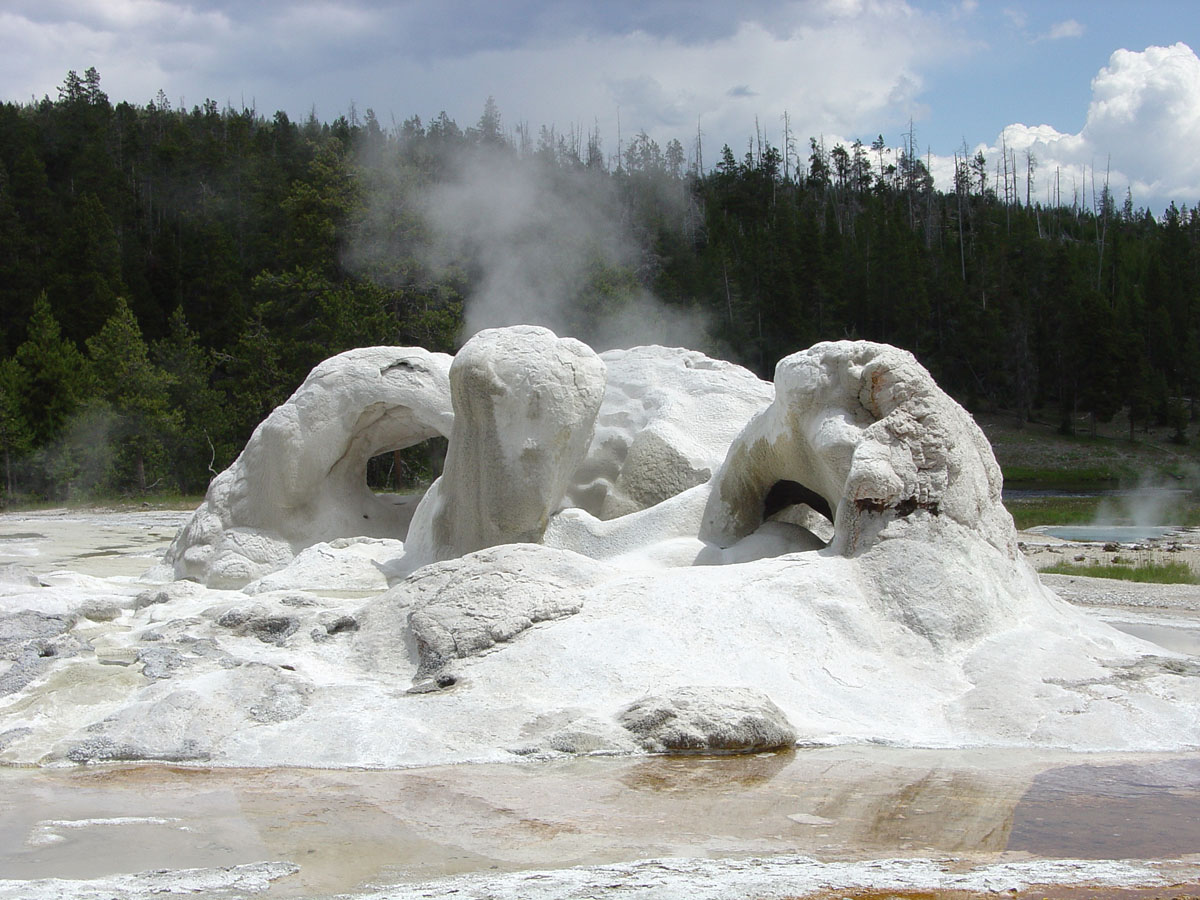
{"x":705,"y":774}
{"x":1112,"y":812}
{"x":348,"y":829}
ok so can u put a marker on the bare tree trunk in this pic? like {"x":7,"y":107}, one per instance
{"x":1102,"y":226}
{"x":1007,"y":202}
{"x":787,"y":138}
{"x":962,"y":253}
{"x":1030,"y":163}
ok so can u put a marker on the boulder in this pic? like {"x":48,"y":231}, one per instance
{"x":665,"y":425}
{"x":708,"y":720}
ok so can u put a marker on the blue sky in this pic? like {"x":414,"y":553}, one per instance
{"x":962,"y":70}
{"x":1017,"y":72}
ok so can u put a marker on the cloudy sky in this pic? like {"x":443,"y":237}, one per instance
{"x":1104,"y":85}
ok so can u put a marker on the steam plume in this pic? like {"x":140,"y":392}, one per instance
{"x":553,"y":245}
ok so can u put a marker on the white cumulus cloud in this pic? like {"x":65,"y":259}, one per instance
{"x":1142,"y":127}
{"x":836,"y":66}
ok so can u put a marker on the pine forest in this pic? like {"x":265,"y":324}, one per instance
{"x":169,"y":275}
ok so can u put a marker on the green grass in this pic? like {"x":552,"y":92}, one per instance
{"x":1031,"y":511}
{"x":1150,"y":572}
{"x":151,"y":501}
{"x":1065,"y":479}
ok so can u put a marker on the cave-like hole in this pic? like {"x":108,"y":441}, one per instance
{"x":795,"y":504}
{"x":785,"y":493}
{"x":399,"y":479}
{"x":408,"y":471}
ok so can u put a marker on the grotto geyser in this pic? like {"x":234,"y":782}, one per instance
{"x":639,"y":550}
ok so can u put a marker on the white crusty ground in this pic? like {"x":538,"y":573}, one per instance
{"x":232,"y":881}
{"x":647,"y":879}
{"x":779,"y":877}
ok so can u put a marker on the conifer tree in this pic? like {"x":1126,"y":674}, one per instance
{"x":88,"y":269}
{"x":16,"y":437}
{"x":54,"y":375}
{"x":136,"y":392}
{"x":200,"y":445}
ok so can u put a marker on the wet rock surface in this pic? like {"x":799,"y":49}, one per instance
{"x":30,"y":643}
{"x":708,"y":720}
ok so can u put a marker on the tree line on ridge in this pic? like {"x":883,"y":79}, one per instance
{"x":168,"y":276}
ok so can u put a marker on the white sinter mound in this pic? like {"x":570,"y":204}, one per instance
{"x":646,"y":550}
{"x":302,"y":477}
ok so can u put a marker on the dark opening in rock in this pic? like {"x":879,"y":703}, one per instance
{"x":409,"y":470}
{"x":785,"y":493}
{"x":791,"y":503}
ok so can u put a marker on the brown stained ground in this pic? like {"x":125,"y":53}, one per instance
{"x":1171,"y":892}
{"x":347,"y":829}
{"x":1124,"y":811}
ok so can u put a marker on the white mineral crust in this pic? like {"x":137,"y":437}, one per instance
{"x":621,"y":555}
{"x":301,"y":478}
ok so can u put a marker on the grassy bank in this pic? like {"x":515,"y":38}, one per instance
{"x":1036,"y":456}
{"x":1146,"y":572}
{"x":150,"y":501}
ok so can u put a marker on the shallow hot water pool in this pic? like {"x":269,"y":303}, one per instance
{"x":350,"y":829}
{"x":1121,"y":534}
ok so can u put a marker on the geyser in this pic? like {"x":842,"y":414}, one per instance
{"x":639,"y":550}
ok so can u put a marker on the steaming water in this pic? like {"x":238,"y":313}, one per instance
{"x":1124,"y":517}
{"x":1121,"y":534}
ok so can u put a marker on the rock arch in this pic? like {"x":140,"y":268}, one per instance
{"x":301,"y":477}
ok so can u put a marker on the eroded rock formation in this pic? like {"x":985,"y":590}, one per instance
{"x":865,"y":429}
{"x":619,"y":556}
{"x":524,"y":403}
{"x":667,"y":420}
{"x":301,"y":478}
